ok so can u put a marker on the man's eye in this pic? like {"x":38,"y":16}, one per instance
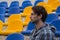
{"x":32,"y":14}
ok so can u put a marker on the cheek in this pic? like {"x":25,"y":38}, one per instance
{"x":33,"y":17}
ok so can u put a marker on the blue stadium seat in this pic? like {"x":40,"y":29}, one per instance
{"x":2,"y":18}
{"x":26,"y":3}
{"x":56,"y":23}
{"x":15,"y":36}
{"x":51,"y":17}
{"x":14,"y":10}
{"x":2,"y":13}
{"x":14,"y":4}
{"x":58,"y":11}
{"x":2,"y":10}
{"x":57,"y":33}
{"x":30,"y":26}
{"x":29,"y":29}
{"x":4,"y":4}
{"x":37,"y":1}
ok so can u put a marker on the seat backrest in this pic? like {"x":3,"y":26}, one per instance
{"x":30,"y":26}
{"x":14,"y":17}
{"x":26,"y":3}
{"x":2,"y":18}
{"x":27,"y":10}
{"x":51,"y":17}
{"x":52,"y":1}
{"x":14,"y":4}
{"x":14,"y":10}
{"x":15,"y":26}
{"x":56,"y":23}
{"x":15,"y":36}
{"x":58,"y":10}
{"x":2,"y":10}
{"x":37,"y":1}
{"x":5,"y":4}
{"x":54,"y":5}
{"x":46,"y":6}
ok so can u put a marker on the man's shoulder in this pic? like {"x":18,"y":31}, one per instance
{"x":49,"y":27}
{"x":48,"y":30}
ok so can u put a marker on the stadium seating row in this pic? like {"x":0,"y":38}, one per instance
{"x":15,"y":23}
{"x":14,"y":7}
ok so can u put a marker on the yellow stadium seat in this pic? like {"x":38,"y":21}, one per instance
{"x":51,"y":1}
{"x":14,"y":17}
{"x":26,"y":21}
{"x":46,"y":6}
{"x":1,"y":25}
{"x":15,"y":25}
{"x":27,"y":11}
{"x":55,"y":5}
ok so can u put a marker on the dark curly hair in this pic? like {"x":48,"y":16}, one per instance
{"x":40,"y":10}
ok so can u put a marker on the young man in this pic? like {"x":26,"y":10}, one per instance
{"x":42,"y":30}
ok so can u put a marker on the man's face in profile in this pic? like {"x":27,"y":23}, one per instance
{"x":34,"y":17}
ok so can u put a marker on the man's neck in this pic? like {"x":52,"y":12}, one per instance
{"x":39,"y":24}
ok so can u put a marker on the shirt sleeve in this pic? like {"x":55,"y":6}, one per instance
{"x":47,"y":35}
